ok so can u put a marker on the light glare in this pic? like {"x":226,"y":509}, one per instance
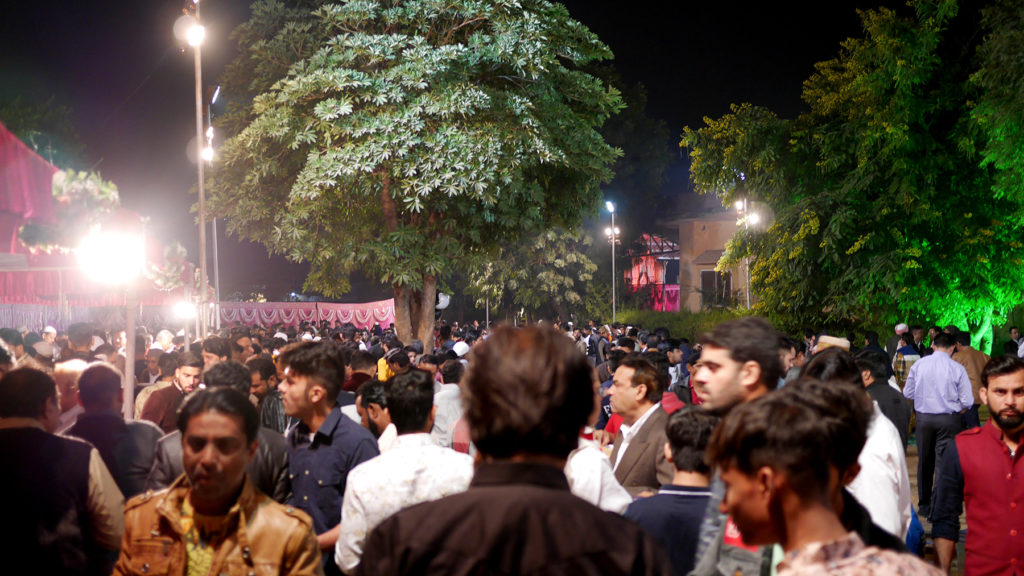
{"x":195,"y":35}
{"x":111,"y":257}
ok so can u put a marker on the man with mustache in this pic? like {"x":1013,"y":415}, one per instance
{"x":984,"y":469}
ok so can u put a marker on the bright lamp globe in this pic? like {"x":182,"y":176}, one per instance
{"x":195,"y":35}
{"x":111,"y":258}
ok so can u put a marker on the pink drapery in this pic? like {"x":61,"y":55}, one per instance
{"x":363,"y":315}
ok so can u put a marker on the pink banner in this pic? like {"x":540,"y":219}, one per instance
{"x":363,"y":315}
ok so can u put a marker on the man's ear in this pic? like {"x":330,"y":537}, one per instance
{"x":983,"y":395}
{"x":750,"y":374}
{"x":316,"y":393}
{"x":668,"y":452}
{"x":850,"y":474}
{"x":766,"y":479}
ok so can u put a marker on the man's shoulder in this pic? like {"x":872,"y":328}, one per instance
{"x":281,"y":514}
{"x":146,"y":429}
{"x":145,"y":501}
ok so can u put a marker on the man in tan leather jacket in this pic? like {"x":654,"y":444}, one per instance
{"x":212,"y":520}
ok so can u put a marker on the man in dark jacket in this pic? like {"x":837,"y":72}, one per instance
{"x":268,"y":469}
{"x":128,"y":448}
{"x":890,"y":401}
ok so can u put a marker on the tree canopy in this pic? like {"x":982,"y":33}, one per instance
{"x":882,"y":197}
{"x":407,"y":138}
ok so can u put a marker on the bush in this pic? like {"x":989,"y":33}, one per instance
{"x":680,"y":324}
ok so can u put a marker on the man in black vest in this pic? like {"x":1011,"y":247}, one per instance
{"x":63,"y":502}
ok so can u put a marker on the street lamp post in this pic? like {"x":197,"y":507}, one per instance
{"x":195,"y":35}
{"x":613,"y":237}
{"x":748,"y":219}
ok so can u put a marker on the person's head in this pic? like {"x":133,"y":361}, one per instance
{"x":907,"y":339}
{"x":528,"y":392}
{"x":963,"y":339}
{"x":674,"y":352}
{"x":372,"y":406}
{"x":410,"y":398}
{"x":787,"y":352}
{"x":241,"y":345}
{"x":933,"y":332}
{"x":785,"y":447}
{"x":167,"y":363}
{"x":263,"y":376}
{"x":944,"y":341}
{"x":452,"y":371}
{"x":80,"y":336}
{"x":872,"y":366}
{"x":1014,"y":333}
{"x":189,"y":371}
{"x":364,"y":362}
{"x":871,"y":338}
{"x":900,"y":329}
{"x":99,"y":387}
{"x":739,"y":362}
{"x":1002,"y":389}
{"x":688,"y":432}
{"x":626,"y":344}
{"x":153,"y":360}
{"x":230,"y":374}
{"x":636,"y":386}
{"x":348,"y":332}
{"x":314,"y":373}
{"x":215,"y":349}
{"x":397,"y":360}
{"x":66,"y":375}
{"x":165,"y":339}
{"x":833,"y":364}
{"x":429,"y":363}
{"x":445,"y":332}
{"x":28,"y":393}
{"x":218,"y":439}
{"x":13,"y":339}
{"x":49,"y":334}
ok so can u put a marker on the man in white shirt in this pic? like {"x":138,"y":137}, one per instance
{"x":447,"y":403}
{"x":416,"y":470}
{"x":638,"y":455}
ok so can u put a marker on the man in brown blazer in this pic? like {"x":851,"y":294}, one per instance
{"x":638,"y":455}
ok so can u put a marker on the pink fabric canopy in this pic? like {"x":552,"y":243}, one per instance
{"x":363,"y":315}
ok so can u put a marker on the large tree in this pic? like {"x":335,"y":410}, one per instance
{"x":881,"y":206}
{"x":408,"y":138}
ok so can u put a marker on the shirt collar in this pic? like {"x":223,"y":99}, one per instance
{"x":417,"y":440}
{"x":501,"y":473}
{"x":629,"y":431}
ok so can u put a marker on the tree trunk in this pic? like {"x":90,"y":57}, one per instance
{"x":425,"y":322}
{"x":981,"y":334}
{"x":403,"y":313}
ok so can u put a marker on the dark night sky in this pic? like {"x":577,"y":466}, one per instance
{"x":130,"y":85}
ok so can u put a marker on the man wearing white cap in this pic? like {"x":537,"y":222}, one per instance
{"x":893,"y":343}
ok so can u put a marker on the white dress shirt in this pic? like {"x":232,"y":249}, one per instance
{"x":449,"y":409}
{"x":883,"y":485}
{"x":388,"y":438}
{"x":590,"y":477}
{"x":631,"y":430}
{"x":416,"y":470}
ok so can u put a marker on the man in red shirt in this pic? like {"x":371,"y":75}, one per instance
{"x":984,"y":469}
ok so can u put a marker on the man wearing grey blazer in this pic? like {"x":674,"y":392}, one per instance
{"x":638,"y":454}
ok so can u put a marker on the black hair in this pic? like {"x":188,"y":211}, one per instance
{"x":944,"y":340}
{"x":192,"y":359}
{"x":320,"y":361}
{"x":24,"y":393}
{"x":831,"y":365}
{"x":99,"y":385}
{"x":224,"y":400}
{"x":410,"y":396}
{"x":372,"y":392}
{"x":749,"y":339}
{"x":228,"y":374}
{"x":1001,"y":366}
{"x":688,"y":431}
{"x":217,"y":346}
{"x":262,"y":365}
{"x":874,"y":362}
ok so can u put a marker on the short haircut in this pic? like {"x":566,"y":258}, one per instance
{"x":415,"y":346}
{"x":791,"y":432}
{"x":785,"y":342}
{"x":749,"y":339}
{"x":361,"y":360}
{"x":12,"y":337}
{"x":217,"y":346}
{"x":80,"y":334}
{"x":907,"y":338}
{"x":626,"y":342}
{"x":348,"y":331}
{"x":262,"y":366}
{"x":943,"y":340}
{"x":191,"y":359}
{"x":688,"y":431}
{"x":229,"y":374}
{"x":398,"y":356}
{"x":528,"y":390}
{"x":410,"y":397}
{"x":452,"y":371}
{"x":445,"y":332}
{"x":1001,"y":366}
{"x":647,"y":373}
{"x":372,"y":392}
{"x":99,"y":385}
{"x":428,"y":359}
{"x":873,"y":362}
{"x":223,"y":400}
{"x":167,"y":362}
{"x":320,"y":361}
{"x":833,"y":364}
{"x":848,"y":404}
{"x":871,"y":336}
{"x":963,"y":338}
{"x":24,"y":393}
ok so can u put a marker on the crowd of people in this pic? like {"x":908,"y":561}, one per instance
{"x":597,"y":449}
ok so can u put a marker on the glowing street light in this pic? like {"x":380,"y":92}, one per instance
{"x":195,"y":35}
{"x":613,"y":236}
{"x":749,"y":219}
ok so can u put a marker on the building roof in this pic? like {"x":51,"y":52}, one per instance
{"x":709,"y":257}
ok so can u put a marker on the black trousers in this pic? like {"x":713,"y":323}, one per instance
{"x":934,"y":433}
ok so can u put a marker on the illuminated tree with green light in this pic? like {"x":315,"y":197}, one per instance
{"x":882,"y":195}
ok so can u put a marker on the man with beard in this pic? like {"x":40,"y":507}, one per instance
{"x":984,"y":470}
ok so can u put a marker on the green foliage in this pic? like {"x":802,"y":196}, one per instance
{"x":881,"y":209}
{"x":409,"y":139}
{"x":551,"y":272}
{"x":682,"y":324}
{"x":46,"y":128}
{"x":81,"y":200}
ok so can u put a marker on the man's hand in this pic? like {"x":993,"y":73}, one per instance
{"x":944,"y":551}
{"x":328,"y":539}
{"x":602,"y":437}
